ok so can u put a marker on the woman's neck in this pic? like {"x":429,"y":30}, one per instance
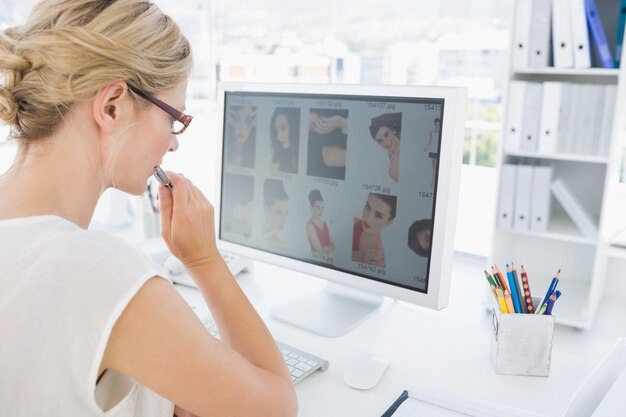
{"x":58,"y":176}
{"x":317,"y":220}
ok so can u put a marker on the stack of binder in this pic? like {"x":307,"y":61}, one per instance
{"x":525,"y":200}
{"x":559,"y":117}
{"x":524,"y":197}
{"x":563,"y":34}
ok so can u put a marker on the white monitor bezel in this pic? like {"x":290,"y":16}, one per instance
{"x":450,"y":158}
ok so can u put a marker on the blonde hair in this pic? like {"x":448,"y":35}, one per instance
{"x":69,"y":49}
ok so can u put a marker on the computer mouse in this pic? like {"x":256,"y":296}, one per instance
{"x":365,"y":370}
{"x":174,"y":266}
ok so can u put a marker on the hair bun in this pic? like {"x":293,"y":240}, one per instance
{"x":12,"y":62}
{"x":8,"y":107}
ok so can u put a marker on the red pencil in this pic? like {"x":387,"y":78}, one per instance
{"x":528,"y":298}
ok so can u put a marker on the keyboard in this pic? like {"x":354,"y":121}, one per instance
{"x":299,"y":363}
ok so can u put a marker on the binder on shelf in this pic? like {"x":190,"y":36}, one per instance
{"x":574,"y":208}
{"x":532,"y":114}
{"x":507,"y":197}
{"x":591,"y":145}
{"x":521,"y":34}
{"x":523,"y":196}
{"x":550,"y":117}
{"x":584,"y":111}
{"x":540,"y":205}
{"x":562,"y":44}
{"x":564,"y":122}
{"x":540,"y":34}
{"x":575,"y":105}
{"x":580,"y":35}
{"x":619,"y":41}
{"x":514,"y":116}
{"x":606,"y":129}
{"x":596,"y":32}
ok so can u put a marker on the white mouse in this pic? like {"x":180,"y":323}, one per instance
{"x":174,"y":266}
{"x":365,"y":370}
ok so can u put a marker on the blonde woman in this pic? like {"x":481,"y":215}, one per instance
{"x":94,"y":93}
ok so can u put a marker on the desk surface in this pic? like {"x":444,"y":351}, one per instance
{"x":427,"y":350}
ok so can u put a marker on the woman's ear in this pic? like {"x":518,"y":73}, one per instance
{"x":109,"y":104}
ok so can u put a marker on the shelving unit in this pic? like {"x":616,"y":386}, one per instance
{"x":594,"y":180}
{"x":561,"y":157}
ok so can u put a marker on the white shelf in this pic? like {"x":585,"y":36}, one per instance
{"x":578,"y":72}
{"x":561,"y":229}
{"x":572,"y":307}
{"x":591,"y":178}
{"x":562,"y":157}
{"x":617,"y":252}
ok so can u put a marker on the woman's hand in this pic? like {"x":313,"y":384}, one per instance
{"x":181,"y":412}
{"x":324,"y":125}
{"x":187,"y":225}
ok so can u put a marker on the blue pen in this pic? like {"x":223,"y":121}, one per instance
{"x":513,"y":285}
{"x":552,"y":287}
{"x":550,"y":303}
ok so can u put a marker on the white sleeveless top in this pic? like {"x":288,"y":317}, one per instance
{"x":62,"y":289}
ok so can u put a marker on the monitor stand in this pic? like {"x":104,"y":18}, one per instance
{"x":331,"y":312}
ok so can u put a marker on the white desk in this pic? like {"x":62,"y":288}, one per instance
{"x":426,"y":349}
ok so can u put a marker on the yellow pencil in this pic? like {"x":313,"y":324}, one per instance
{"x":509,"y":301}
{"x":501,"y":301}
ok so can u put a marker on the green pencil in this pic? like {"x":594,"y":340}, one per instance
{"x":490,"y":279}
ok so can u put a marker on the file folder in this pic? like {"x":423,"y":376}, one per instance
{"x":610,"y":93}
{"x":562,"y":44}
{"x":514,"y":116}
{"x":575,"y":105}
{"x":598,"y":105}
{"x":532,"y":115}
{"x":550,"y":117}
{"x":507,"y":196}
{"x":595,"y":103}
{"x":574,"y":208}
{"x":523,"y":196}
{"x":566,"y":111}
{"x":540,"y":206}
{"x":540,"y":34}
{"x":619,"y":41}
{"x":596,"y":31}
{"x":521,"y":33}
{"x":580,"y":35}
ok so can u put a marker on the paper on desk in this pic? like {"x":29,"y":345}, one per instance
{"x":426,"y":403}
{"x":613,"y":403}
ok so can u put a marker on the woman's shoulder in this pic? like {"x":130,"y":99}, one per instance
{"x":101,"y":254}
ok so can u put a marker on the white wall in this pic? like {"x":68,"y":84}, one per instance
{"x":476,"y":211}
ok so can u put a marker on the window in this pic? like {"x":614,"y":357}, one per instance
{"x":447,"y":42}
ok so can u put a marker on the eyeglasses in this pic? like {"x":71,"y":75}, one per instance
{"x":181,"y":120}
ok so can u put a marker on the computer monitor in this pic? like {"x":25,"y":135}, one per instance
{"x":354,"y":184}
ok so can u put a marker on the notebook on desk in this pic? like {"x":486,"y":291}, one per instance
{"x":603,"y":392}
{"x":420,"y":402}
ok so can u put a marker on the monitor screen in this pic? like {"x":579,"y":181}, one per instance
{"x":350,"y":183}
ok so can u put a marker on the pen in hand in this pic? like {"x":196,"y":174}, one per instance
{"x":162,"y":178}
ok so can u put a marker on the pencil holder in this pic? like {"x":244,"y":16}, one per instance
{"x":522,"y":344}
